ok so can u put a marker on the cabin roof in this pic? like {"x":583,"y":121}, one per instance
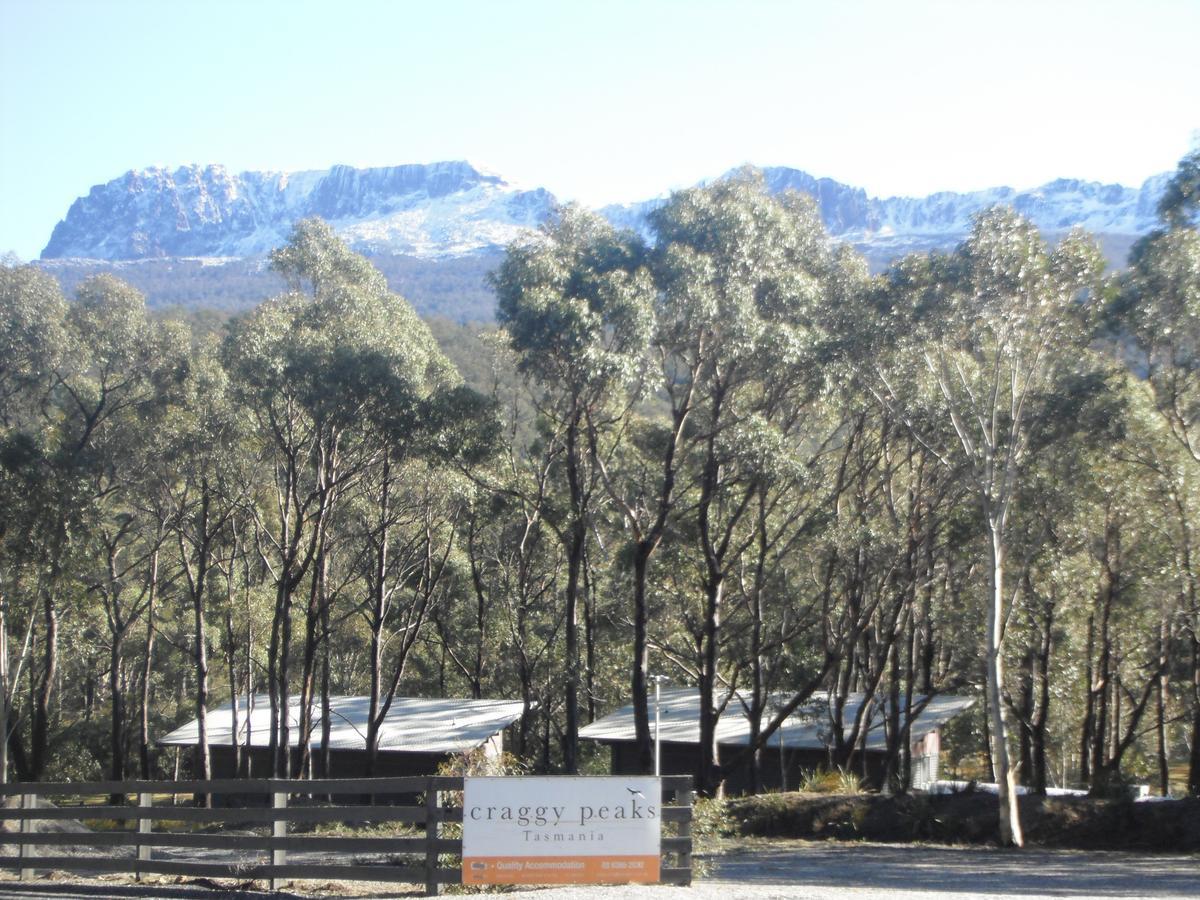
{"x":413,"y":724}
{"x":809,"y":727}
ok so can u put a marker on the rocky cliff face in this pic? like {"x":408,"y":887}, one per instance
{"x":1054,"y":207}
{"x":850,"y":214}
{"x":452,"y":209}
{"x":443,"y":209}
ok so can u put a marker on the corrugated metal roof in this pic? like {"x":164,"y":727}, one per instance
{"x":413,"y":724}
{"x":808,"y":727}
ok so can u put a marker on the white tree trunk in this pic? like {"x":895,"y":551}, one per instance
{"x":1010,"y":816}
{"x":3,"y":695}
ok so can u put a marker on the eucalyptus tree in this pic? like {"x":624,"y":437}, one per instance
{"x":516,"y":564}
{"x":394,"y":542}
{"x":204,"y":484}
{"x":32,"y":340}
{"x":997,"y":332}
{"x":409,"y":571}
{"x":1048,"y":538}
{"x":890,"y":537}
{"x":806,"y":615}
{"x":1045,"y":582}
{"x":1158,"y":306}
{"x":318,"y":367}
{"x":120,"y":573}
{"x":465,"y":631}
{"x":777,"y":635}
{"x":1179,"y":490}
{"x":575,"y":302}
{"x":113,"y":375}
{"x":1179,"y":205}
{"x":1167,"y":485}
{"x":119,"y":548}
{"x":32,"y":313}
{"x":1130,"y":616}
{"x":156,"y":511}
{"x":744,"y":283}
{"x":519,"y":558}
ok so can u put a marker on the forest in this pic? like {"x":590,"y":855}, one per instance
{"x":451,"y":288}
{"x":730,"y":455}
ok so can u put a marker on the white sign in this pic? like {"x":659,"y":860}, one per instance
{"x":561,"y":830}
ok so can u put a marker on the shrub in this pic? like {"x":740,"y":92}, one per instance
{"x":830,"y":781}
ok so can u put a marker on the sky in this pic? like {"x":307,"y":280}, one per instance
{"x":599,"y":102}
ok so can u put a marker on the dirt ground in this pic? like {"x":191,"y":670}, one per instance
{"x":930,"y":870}
{"x":772,"y":870}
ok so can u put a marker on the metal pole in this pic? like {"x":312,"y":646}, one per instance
{"x":24,"y":851}
{"x":657,"y":736}
{"x":279,"y":830}
{"x":144,"y":828}
{"x":433,"y":815}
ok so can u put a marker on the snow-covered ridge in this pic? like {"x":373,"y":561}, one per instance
{"x":1057,"y":206}
{"x":944,"y":218}
{"x":450,"y":209}
{"x":440,"y":209}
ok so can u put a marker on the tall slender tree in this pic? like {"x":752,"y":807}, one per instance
{"x":997,"y":331}
{"x":575,"y":303}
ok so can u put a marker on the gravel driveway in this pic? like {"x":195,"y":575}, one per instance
{"x":967,"y":871}
{"x":791,"y":870}
{"x":803,"y":870}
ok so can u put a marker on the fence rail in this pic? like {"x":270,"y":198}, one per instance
{"x":424,"y":855}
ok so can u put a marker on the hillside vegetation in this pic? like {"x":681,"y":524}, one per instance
{"x":1081,"y":823}
{"x":454,"y":287}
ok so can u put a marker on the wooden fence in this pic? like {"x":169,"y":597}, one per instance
{"x":282,"y":802}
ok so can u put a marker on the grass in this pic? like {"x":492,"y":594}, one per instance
{"x":376,"y":829}
{"x":837,"y":781}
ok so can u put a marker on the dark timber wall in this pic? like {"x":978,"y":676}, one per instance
{"x":342,"y":764}
{"x":683,"y":759}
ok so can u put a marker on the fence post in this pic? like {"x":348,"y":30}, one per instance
{"x":279,"y":829}
{"x":144,"y":826}
{"x":28,"y":801}
{"x":686,"y":798}
{"x":432,"y":816}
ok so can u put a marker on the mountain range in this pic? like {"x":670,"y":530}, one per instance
{"x":449,"y":209}
{"x":198,"y":217}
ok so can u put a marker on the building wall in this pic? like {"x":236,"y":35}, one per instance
{"x":493,"y":747}
{"x":926,"y":758}
{"x":343,"y":763}
{"x":683,"y":759}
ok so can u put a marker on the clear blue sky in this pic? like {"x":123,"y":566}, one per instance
{"x":597,"y":101}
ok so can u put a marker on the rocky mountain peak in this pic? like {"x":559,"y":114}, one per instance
{"x":206,"y":211}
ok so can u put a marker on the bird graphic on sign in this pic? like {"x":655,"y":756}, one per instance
{"x":636,"y":793}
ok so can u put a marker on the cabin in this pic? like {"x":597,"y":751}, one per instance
{"x":802,"y":745}
{"x":417,"y":736}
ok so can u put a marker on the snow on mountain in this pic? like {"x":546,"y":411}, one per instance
{"x":449,"y":209}
{"x":441,"y":209}
{"x":943,"y":219}
{"x":1054,"y":207}
{"x":632,"y":216}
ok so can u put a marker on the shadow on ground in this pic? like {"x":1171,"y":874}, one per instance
{"x":67,"y":890}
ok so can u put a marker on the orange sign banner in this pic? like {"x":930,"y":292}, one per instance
{"x":560,"y":869}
